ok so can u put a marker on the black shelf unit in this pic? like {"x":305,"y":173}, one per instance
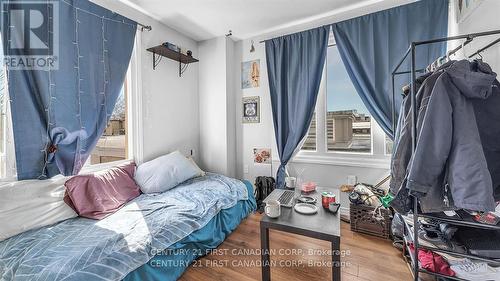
{"x":163,"y":51}
{"x":466,"y":220}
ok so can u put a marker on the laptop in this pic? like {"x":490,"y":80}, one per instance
{"x":285,"y":197}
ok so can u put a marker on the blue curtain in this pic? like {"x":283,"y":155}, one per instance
{"x":60,"y":112}
{"x":371,"y":46}
{"x":294,"y":65}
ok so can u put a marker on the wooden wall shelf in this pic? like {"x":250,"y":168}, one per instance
{"x":163,"y":51}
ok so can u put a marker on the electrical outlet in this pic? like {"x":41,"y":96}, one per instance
{"x":245,"y":169}
{"x":192,"y":152}
{"x":352,"y":180}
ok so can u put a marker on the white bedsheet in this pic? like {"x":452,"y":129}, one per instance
{"x":30,"y":204}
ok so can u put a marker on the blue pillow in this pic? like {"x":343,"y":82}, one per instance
{"x":164,"y":173}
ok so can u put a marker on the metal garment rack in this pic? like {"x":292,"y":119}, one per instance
{"x":467,"y":220}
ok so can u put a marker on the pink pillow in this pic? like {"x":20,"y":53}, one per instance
{"x":100,"y":194}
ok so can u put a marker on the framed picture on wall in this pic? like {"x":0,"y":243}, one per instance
{"x":262,"y":155}
{"x":465,"y":8}
{"x":251,"y":109}
{"x":250,"y":74}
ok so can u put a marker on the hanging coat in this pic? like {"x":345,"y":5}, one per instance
{"x":403,"y":147}
{"x":449,"y":154}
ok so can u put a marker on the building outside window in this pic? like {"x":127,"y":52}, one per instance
{"x":348,"y":122}
{"x":112,"y":146}
{"x":310,"y":142}
{"x":341,"y":118}
{"x":388,"y":145}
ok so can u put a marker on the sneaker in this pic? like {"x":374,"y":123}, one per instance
{"x":447,"y":230}
{"x":434,"y":239}
{"x":477,"y":271}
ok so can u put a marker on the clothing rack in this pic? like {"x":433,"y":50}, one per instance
{"x":485,"y":48}
{"x":412,"y":236}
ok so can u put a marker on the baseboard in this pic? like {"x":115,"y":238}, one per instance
{"x":344,"y":211}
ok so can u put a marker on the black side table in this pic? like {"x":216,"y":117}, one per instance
{"x":323,"y":225}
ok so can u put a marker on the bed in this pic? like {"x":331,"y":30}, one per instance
{"x":176,"y":225}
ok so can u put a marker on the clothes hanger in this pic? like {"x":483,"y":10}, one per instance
{"x":464,"y":54}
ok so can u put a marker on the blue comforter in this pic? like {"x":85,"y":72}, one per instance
{"x":85,"y":249}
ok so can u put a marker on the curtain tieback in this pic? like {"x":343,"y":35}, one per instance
{"x":52,"y":148}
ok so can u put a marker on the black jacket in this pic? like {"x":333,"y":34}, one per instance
{"x":449,"y":150}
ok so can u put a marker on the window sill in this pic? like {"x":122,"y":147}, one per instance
{"x":85,"y":170}
{"x":102,"y":166}
{"x":348,"y":160}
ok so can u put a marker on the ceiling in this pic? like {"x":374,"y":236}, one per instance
{"x":206,"y":19}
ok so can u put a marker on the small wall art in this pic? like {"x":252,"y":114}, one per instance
{"x":251,"y":109}
{"x":262,"y":155}
{"x":250,"y":74}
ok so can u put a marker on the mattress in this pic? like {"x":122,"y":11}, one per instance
{"x":109,"y":249}
{"x":169,"y":265}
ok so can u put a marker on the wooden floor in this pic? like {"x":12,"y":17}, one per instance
{"x":366,"y":258}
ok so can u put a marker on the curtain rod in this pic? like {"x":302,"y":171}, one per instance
{"x":145,"y":27}
{"x":262,"y":41}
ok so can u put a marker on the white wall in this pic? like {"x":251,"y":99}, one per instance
{"x":231,"y":110}
{"x":217,"y":125}
{"x":484,"y":18}
{"x":213,"y":105}
{"x":261,"y":135}
{"x":251,"y":136}
{"x":169,"y":102}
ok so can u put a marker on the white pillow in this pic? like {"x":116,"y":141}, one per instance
{"x":30,"y":204}
{"x":164,"y":173}
{"x":201,"y":173}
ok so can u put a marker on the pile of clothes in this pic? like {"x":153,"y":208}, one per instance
{"x":435,"y":234}
{"x":456,"y":164}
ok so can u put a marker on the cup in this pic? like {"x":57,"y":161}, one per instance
{"x":290,"y":182}
{"x":273,"y":209}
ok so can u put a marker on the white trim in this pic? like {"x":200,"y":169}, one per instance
{"x":100,"y":167}
{"x":348,"y":160}
{"x":138,"y":8}
{"x":311,"y":19}
{"x":135,"y":108}
{"x":336,"y":15}
{"x":376,"y":158}
{"x":87,"y":169}
{"x":346,"y":211}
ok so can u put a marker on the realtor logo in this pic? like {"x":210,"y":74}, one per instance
{"x":31,"y":36}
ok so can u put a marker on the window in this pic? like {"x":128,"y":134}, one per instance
{"x":310,"y":142}
{"x":112,"y":146}
{"x":343,"y":131}
{"x":3,"y":98}
{"x":7,"y":164}
{"x":120,"y":139}
{"x":388,"y":145}
{"x":3,"y":95}
{"x":348,"y":123}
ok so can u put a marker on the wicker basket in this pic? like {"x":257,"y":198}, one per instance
{"x":362,"y":221}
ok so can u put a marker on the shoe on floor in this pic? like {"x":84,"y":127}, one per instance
{"x":477,"y":271}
